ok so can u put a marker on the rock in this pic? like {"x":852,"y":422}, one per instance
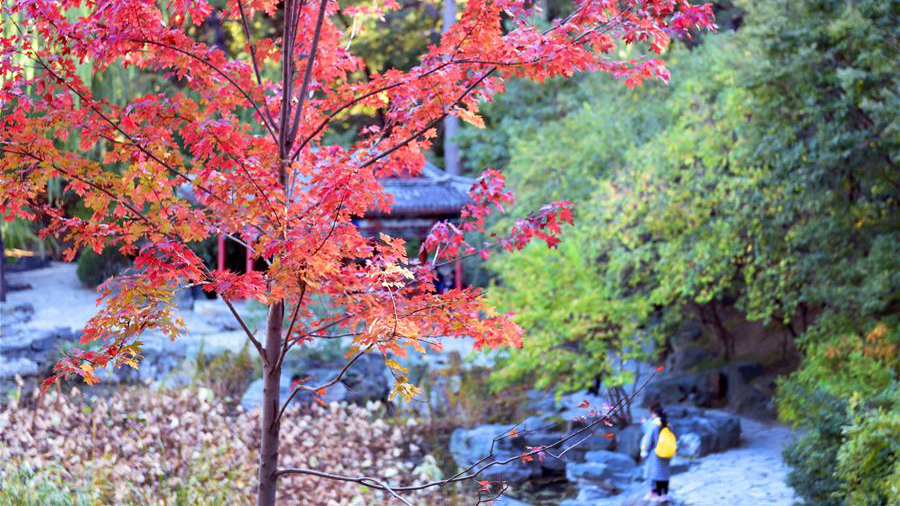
{"x":49,"y":341}
{"x":701,"y":389}
{"x":471,"y":445}
{"x":17,"y":367}
{"x":690,"y":444}
{"x":28,"y":351}
{"x":755,"y":404}
{"x":544,"y":430}
{"x":743,"y":372}
{"x":253,"y":396}
{"x":184,"y":300}
{"x":365,"y":380}
{"x":540,"y":401}
{"x":628,"y":441}
{"x":588,"y":495}
{"x":27,"y":263}
{"x":689,"y":358}
{"x":602,"y":468}
{"x":701,"y":434}
{"x":160,"y":357}
{"x":748,"y":391}
{"x":509,"y":501}
{"x":679,"y":464}
{"x":34,"y":341}
{"x":12,"y":315}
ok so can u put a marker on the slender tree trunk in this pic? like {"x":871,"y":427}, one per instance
{"x":451,"y":123}
{"x":268,"y":454}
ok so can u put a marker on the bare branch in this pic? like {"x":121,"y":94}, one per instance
{"x":327,"y":384}
{"x":243,"y":324}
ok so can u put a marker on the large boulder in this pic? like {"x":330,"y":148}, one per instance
{"x":26,"y":352}
{"x":588,"y":495}
{"x":610,"y":470}
{"x":628,"y":441}
{"x":13,"y":315}
{"x":688,"y":359}
{"x":700,"y":389}
{"x":253,"y":396}
{"x":365,"y":380}
{"x":469,"y":446}
{"x":160,"y":357}
{"x":703,"y":432}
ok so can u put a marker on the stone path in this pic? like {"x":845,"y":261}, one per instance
{"x":752,"y":475}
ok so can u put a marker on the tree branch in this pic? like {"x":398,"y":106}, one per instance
{"x":307,"y":77}
{"x":327,"y":384}
{"x":219,"y":71}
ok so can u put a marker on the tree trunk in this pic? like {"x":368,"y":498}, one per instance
{"x":451,"y":123}
{"x":268,"y":454}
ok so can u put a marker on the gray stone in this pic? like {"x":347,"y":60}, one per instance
{"x":540,"y":401}
{"x":21,"y":366}
{"x":184,"y":300}
{"x":602,"y":468}
{"x":468,"y":446}
{"x":365,"y":380}
{"x":679,"y":464}
{"x":588,"y":495}
{"x":628,"y":441}
{"x":12,"y":315}
{"x":700,"y":435}
{"x":253,"y":396}
{"x":701,"y":389}
{"x":509,"y":501}
{"x":690,"y":444}
{"x":689,"y":358}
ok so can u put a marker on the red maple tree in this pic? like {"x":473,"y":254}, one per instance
{"x":251,"y":151}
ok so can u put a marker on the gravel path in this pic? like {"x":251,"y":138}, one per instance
{"x":752,"y":475}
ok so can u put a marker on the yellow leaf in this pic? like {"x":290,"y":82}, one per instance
{"x":470,"y":117}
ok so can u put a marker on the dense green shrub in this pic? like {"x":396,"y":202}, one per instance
{"x":94,"y":269}
{"x":845,"y":398}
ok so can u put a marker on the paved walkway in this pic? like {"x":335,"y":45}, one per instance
{"x":753,"y":474}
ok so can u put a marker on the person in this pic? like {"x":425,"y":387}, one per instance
{"x":658,"y":471}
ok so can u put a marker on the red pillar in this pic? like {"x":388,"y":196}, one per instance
{"x":457,"y":274}
{"x":221,"y":259}
{"x":249,"y":260}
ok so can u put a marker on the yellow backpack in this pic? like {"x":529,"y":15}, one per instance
{"x":665,"y":443}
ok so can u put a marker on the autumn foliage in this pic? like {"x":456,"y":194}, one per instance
{"x":234,"y":145}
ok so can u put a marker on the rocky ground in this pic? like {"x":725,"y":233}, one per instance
{"x":36,"y":322}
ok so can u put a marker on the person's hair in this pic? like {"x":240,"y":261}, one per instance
{"x":657,"y":409}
